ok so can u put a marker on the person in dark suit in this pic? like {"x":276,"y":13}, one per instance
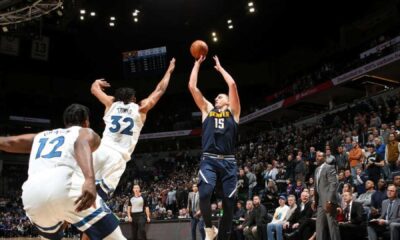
{"x":326,"y":199}
{"x":194,"y":212}
{"x":353,"y":218}
{"x":390,"y":214}
{"x":297,"y":221}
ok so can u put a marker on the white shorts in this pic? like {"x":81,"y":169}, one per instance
{"x":109,"y":165}
{"x":49,"y":198}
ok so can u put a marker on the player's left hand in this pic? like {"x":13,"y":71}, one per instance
{"x":328,"y":207}
{"x":148,"y":220}
{"x":217,"y":66}
{"x":88,"y":196}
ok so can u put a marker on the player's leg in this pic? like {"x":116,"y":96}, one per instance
{"x":207,"y":181}
{"x":96,"y":222}
{"x":229,"y":182}
{"x":109,"y":167}
{"x":44,"y":205}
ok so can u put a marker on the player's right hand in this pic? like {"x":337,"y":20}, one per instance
{"x":102,"y":83}
{"x":130,"y":219}
{"x":88,"y":196}
{"x":200,"y":60}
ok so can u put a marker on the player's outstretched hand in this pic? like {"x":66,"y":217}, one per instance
{"x":88,"y":196}
{"x":102,"y":83}
{"x":217,"y":66}
{"x":171,"y":66}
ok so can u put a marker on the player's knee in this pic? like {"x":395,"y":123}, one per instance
{"x":205,"y":191}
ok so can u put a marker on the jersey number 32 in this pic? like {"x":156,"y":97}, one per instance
{"x":116,"y":122}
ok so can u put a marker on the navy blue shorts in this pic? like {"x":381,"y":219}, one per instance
{"x":219,"y":168}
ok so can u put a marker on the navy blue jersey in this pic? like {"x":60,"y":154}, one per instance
{"x":219,"y":132}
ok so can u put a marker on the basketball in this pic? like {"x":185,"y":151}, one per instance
{"x":198,"y":48}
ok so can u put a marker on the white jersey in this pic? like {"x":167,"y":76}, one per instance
{"x":123,"y":126}
{"x":53,"y":148}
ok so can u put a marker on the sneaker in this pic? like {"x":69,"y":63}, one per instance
{"x":211,"y":233}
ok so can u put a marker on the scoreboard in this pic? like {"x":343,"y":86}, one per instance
{"x":153,"y":60}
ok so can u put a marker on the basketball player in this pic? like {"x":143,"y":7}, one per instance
{"x":220,"y":123}
{"x":60,"y":176}
{"x":124,"y":120}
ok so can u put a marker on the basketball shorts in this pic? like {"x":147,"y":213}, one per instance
{"x":219,"y":168}
{"x":49,"y":201}
{"x":109,"y":165}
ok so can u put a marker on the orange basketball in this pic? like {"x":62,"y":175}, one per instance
{"x":198,"y":48}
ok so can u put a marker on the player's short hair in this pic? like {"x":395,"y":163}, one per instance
{"x":124,"y":95}
{"x":75,"y":115}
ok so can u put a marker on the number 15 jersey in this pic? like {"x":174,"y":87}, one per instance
{"x":123,"y":126}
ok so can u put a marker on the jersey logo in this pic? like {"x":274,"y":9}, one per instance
{"x":224,"y":114}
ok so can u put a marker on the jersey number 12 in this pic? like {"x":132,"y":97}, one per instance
{"x":56,"y":142}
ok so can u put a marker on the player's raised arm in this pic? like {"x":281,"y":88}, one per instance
{"x":149,"y":102}
{"x":234,"y":101}
{"x":86,"y":143}
{"x":97,"y":90}
{"x":17,"y":144}
{"x":201,"y":102}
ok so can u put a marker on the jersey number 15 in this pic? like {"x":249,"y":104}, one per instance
{"x":219,"y":123}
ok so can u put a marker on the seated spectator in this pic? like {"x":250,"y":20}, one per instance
{"x":183,"y":214}
{"x":253,"y":229}
{"x":279,"y":218}
{"x":361,"y":178}
{"x":298,"y":189}
{"x":377,"y":198}
{"x":365,"y":198}
{"x":243,"y":221}
{"x":170,"y":215}
{"x":389,"y":214}
{"x":300,"y":221}
{"x":353,"y":219}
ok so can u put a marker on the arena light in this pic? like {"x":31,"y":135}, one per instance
{"x":214,"y":34}
{"x":230,"y":26}
{"x":229,"y":21}
{"x":250,"y":4}
{"x":92,"y":14}
{"x":112,"y":18}
{"x":82,"y":18}
{"x":59,"y":13}
{"x":135,"y":13}
{"x":83,"y":11}
{"x":215,"y":39}
{"x":112,"y":24}
{"x":5,"y":29}
{"x":136,"y":19}
{"x":252,"y":9}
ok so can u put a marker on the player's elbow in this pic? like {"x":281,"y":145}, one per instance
{"x":232,"y":84}
{"x":93,"y":89}
{"x":192,"y":87}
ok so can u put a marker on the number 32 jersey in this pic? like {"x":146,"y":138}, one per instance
{"x":51,"y":149}
{"x":123,"y":126}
